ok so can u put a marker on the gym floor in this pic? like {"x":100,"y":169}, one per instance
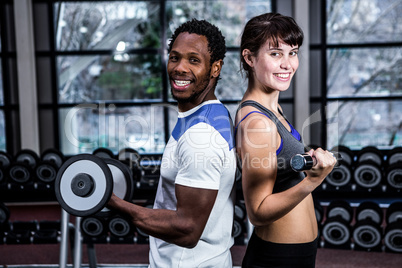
{"x":136,"y":255}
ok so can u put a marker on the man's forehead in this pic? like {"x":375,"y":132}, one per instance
{"x":192,"y":42}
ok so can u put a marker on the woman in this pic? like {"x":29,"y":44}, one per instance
{"x":278,"y":200}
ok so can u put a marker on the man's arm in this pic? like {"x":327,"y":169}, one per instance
{"x":182,"y":226}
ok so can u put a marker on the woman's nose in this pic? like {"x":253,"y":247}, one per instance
{"x":285,"y":64}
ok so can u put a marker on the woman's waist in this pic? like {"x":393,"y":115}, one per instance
{"x":297,"y":226}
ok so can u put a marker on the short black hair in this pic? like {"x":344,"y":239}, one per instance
{"x":216,"y":41}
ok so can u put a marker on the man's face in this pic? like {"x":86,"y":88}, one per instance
{"x":189,"y":70}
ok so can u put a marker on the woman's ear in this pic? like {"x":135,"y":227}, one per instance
{"x":248,"y":57}
{"x":216,"y":68}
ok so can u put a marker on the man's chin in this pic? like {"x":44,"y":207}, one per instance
{"x":182,"y":99}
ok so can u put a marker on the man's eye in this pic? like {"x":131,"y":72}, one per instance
{"x":173,"y":58}
{"x":275,"y":54}
{"x":194,"y":60}
{"x":294,"y":53}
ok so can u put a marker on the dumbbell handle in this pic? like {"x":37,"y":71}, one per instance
{"x":300,"y":162}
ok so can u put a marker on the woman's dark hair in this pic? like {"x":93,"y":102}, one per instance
{"x":269,"y":26}
{"x":216,"y":41}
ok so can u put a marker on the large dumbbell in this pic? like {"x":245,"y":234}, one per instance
{"x":46,"y":172}
{"x":121,"y":230}
{"x":94,"y":226}
{"x":368,"y":172}
{"x":341,"y":176}
{"x":46,"y":169}
{"x":22,"y":168}
{"x":85,"y":183}
{"x":336,"y":229}
{"x":367,"y":231}
{"x":393,"y":172}
{"x":393,"y":230}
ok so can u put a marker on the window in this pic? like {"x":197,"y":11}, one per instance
{"x":109,"y":60}
{"x":360,"y":54}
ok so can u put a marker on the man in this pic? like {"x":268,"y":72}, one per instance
{"x":191,"y":223}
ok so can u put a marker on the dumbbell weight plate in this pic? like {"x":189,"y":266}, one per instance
{"x":336,"y":231}
{"x":394,"y":212}
{"x":123,"y":186}
{"x":340,"y":176}
{"x":27,"y":156}
{"x":368,"y":174}
{"x":104,"y":153}
{"x":347,"y":154}
{"x":394,"y":156}
{"x":393,"y":237}
{"x":366,"y":234}
{"x":84,"y":185}
{"x":394,"y":175}
{"x":5,"y":159}
{"x":53,"y":156}
{"x":370,"y":153}
{"x":369,"y":210}
{"x":340,"y":208}
{"x":46,"y":171}
{"x":20,"y":173}
{"x":93,"y":226}
{"x":119,"y":227}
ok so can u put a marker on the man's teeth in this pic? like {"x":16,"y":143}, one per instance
{"x":181,"y":83}
{"x":282,"y":75}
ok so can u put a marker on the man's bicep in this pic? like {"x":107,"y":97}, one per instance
{"x":194,"y":205}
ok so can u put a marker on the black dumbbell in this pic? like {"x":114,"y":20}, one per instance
{"x":367,"y":231}
{"x":336,"y":229}
{"x":393,"y":230}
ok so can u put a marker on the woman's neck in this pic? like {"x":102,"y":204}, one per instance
{"x":268,"y":99}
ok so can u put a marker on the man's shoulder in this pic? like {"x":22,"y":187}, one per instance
{"x":214,"y":115}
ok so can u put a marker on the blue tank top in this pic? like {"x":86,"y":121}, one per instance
{"x":291,"y":144}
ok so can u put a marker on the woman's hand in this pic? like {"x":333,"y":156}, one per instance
{"x":325,"y":162}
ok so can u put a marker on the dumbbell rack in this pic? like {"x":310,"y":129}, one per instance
{"x":364,"y":175}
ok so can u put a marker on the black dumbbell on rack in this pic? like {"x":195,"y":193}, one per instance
{"x":393,"y":230}
{"x":367,"y":230}
{"x":336,"y":229}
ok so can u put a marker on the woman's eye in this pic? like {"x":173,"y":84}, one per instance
{"x":294,"y":53}
{"x":275,"y":54}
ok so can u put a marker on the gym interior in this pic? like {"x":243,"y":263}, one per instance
{"x":89,"y":77}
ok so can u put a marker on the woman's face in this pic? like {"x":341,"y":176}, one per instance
{"x":274,"y":67}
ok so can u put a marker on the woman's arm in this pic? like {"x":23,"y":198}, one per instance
{"x":257,"y":142}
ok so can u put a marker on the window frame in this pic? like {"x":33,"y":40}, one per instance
{"x":323,"y":47}
{"x":54,"y":107}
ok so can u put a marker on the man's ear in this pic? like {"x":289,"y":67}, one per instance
{"x":216,"y":68}
{"x":248,"y":57}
